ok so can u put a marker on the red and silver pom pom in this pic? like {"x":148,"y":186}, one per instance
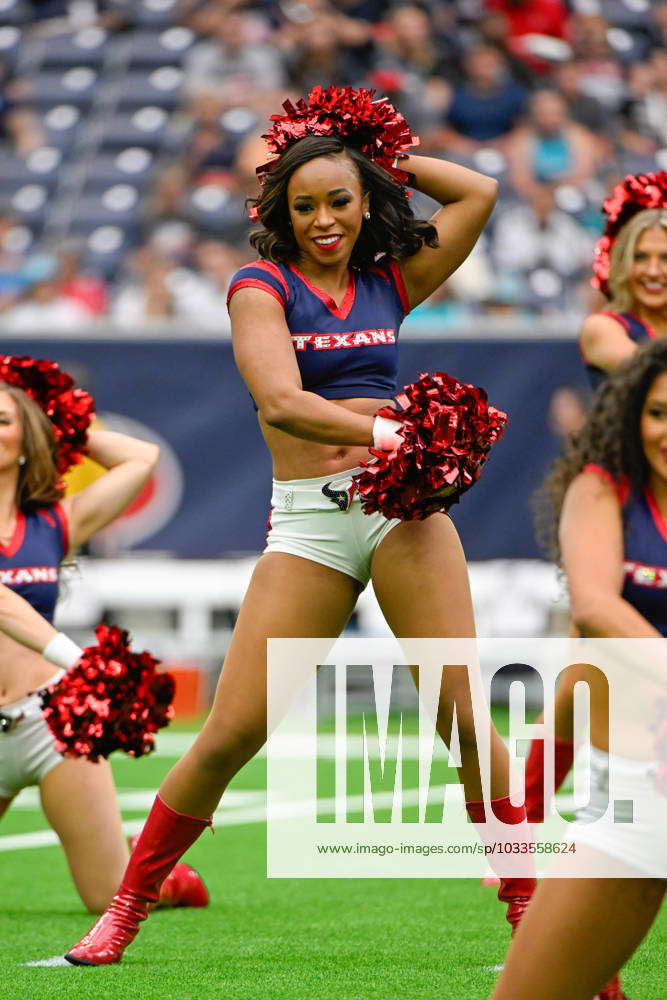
{"x":374,"y":127}
{"x":112,"y":699}
{"x":635,"y":194}
{"x":70,"y":410}
{"x":448,"y":430}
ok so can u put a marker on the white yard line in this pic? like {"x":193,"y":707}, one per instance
{"x":240,"y":808}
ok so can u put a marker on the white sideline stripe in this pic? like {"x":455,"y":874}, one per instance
{"x":176,"y":744}
{"x":132,"y":799}
{"x":251,"y":814}
{"x":57,"y":960}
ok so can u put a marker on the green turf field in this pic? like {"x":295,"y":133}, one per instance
{"x":375,"y":939}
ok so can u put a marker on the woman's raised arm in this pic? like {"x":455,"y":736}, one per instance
{"x":467,"y":200}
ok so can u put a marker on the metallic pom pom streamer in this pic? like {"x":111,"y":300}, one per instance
{"x":448,"y":430}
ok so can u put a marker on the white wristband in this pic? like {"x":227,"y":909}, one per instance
{"x":386,"y":436}
{"x":62,"y":651}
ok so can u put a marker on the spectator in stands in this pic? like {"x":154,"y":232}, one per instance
{"x":322,"y":48}
{"x":536,"y":233}
{"x":87,"y":290}
{"x":43,"y":306}
{"x":485,"y":108}
{"x":410,"y":46}
{"x":231,"y":63}
{"x":645,"y":112}
{"x":532,"y":17}
{"x":601,"y":73}
{"x":550,"y":148}
{"x":658,"y":24}
{"x":582,"y":108}
{"x":528,"y":22}
{"x":414,"y":63}
{"x":11,"y":263}
{"x":170,"y":278}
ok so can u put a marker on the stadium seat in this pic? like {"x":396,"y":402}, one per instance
{"x":13,"y":12}
{"x":133,"y":165}
{"x":151,"y":48}
{"x":630,"y":14}
{"x":117,"y":206}
{"x":87,"y":47}
{"x":74,"y":86}
{"x":155,"y":12}
{"x":217,"y":211}
{"x":10,"y":43}
{"x":104,"y":250}
{"x":29,"y":202}
{"x":40,"y":167}
{"x":160,"y":87}
{"x":60,"y":124}
{"x":148,"y":127}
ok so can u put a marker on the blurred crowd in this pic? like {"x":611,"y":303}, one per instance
{"x":556,"y":99}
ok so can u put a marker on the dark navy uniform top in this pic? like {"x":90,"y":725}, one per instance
{"x":342,"y":351}
{"x":644,"y":552}
{"x":29,"y":562}
{"x":636,"y":329}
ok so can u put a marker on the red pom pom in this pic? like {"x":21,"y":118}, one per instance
{"x":112,"y":699}
{"x":636,"y":193}
{"x":375,"y":128}
{"x":70,"y":410}
{"x":448,"y":429}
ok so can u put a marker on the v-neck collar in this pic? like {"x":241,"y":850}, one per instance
{"x":16,"y":541}
{"x":651,"y":331}
{"x":341,"y":311}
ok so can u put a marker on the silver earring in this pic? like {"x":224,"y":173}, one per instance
{"x":367,"y":215}
{"x":21,"y":459}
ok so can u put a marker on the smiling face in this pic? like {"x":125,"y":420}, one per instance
{"x":653,"y":427}
{"x":326,"y":206}
{"x":647,"y":282}
{"x":11,"y":433}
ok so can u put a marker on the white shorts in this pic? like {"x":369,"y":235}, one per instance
{"x":635,"y":836}
{"x":332,"y":530}
{"x":27,"y":752}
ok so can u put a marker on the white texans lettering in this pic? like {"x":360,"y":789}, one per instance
{"x":338,"y":341}
{"x":28,"y":574}
{"x":646,"y":576}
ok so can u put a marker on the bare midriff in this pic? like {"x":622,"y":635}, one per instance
{"x":295,"y":458}
{"x":22,"y":671}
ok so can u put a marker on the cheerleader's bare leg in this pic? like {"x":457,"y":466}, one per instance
{"x":287,"y":597}
{"x":79,"y":801}
{"x":575,"y":935}
{"x":420,"y":578}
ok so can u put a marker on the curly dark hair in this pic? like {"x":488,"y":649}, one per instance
{"x":611,"y":438}
{"x":391,"y":229}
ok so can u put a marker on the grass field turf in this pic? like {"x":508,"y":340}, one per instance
{"x":281,"y":938}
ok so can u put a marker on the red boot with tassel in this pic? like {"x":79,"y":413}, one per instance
{"x":166,"y":836}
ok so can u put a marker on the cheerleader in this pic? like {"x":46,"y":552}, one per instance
{"x":315,"y":323}
{"x":609,"y":500}
{"x":631,"y":270}
{"x":39,"y":528}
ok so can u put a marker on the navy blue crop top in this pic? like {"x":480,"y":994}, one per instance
{"x":29,"y":563}
{"x":644,"y":552}
{"x":636,"y":329}
{"x":342,"y":351}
